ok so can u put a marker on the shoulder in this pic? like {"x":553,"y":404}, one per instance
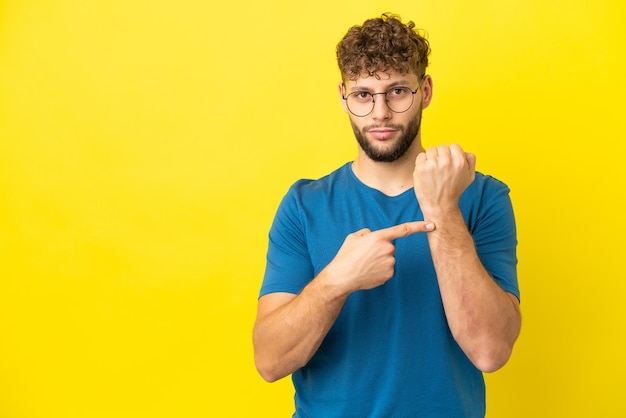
{"x":486,"y":198}
{"x":483,"y":190}
{"x":306,"y":196}
{"x":312,"y":189}
{"x":484,"y":183}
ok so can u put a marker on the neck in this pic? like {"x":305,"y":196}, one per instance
{"x":391,"y":178}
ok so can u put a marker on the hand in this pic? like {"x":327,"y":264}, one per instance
{"x":366,"y":259}
{"x":441,"y":175}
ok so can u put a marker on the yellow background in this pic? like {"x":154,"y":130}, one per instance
{"x":144,"y":147}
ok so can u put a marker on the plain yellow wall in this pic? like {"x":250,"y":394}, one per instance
{"x":144,"y":147}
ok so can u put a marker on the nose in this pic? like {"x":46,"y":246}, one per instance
{"x":381,"y":110}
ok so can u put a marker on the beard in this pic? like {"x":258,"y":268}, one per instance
{"x":398,"y":149}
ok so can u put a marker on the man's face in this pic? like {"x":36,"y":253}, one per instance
{"x":385,"y":135}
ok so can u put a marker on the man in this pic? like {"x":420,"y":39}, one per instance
{"x":374,"y":312}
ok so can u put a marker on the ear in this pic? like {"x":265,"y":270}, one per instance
{"x":343,"y":102}
{"x":427,"y":90}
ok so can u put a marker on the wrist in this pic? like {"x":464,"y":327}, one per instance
{"x":440,"y":215}
{"x":331,"y":285}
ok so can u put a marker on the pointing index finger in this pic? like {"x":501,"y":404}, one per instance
{"x":405,"y":229}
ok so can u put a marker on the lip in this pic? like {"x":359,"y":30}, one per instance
{"x":382,"y":134}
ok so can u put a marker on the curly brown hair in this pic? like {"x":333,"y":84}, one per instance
{"x":382,"y":45}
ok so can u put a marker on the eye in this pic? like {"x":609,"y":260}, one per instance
{"x":362,"y":96}
{"x":397,"y":92}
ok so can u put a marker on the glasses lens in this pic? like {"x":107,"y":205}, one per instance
{"x":399,"y":99}
{"x":360,"y":103}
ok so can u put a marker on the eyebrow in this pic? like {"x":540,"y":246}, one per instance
{"x":403,"y":83}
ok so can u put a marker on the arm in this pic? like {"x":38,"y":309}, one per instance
{"x":483,"y":318}
{"x":290,"y":328}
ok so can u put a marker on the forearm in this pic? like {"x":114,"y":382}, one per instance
{"x":287,"y":337}
{"x":483,"y":318}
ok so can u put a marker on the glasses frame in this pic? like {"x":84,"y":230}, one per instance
{"x":413,"y":92}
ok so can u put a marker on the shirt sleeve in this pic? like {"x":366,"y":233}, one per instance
{"x":495,"y":235}
{"x":288,"y":268}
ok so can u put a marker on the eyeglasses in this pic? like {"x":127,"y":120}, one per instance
{"x":398,"y":100}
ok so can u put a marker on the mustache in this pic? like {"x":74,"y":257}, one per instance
{"x":395,"y":126}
